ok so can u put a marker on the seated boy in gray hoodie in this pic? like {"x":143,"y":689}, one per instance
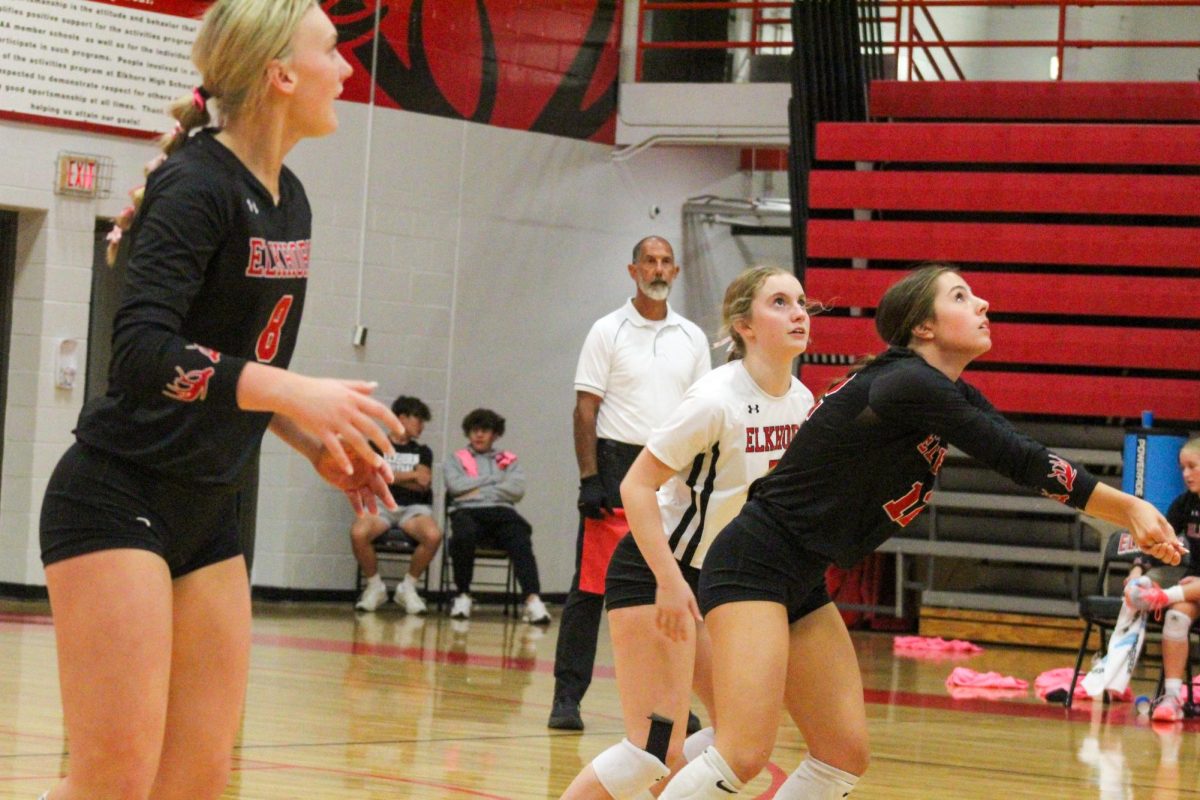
{"x":483,"y":485}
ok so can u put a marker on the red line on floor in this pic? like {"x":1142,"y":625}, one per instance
{"x":873,"y":696}
{"x":778,"y":776}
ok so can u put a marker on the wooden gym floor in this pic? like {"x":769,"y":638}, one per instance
{"x":384,"y":706}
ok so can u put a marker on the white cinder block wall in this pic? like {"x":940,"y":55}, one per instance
{"x":488,"y":254}
{"x":52,"y":287}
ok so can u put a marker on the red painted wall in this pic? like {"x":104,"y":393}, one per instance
{"x":540,"y":65}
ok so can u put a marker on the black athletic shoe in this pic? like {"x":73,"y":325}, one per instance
{"x":564,"y":715}
{"x":693,"y":723}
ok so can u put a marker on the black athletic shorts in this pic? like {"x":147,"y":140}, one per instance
{"x":630,"y":581}
{"x":752,"y":559}
{"x":96,"y":501}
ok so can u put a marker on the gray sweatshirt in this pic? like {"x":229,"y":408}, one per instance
{"x":494,"y":486}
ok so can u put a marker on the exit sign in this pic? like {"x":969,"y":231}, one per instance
{"x":78,"y":175}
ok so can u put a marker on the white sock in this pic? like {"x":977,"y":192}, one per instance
{"x":409,"y":583}
{"x":816,"y":780}
{"x":706,"y":778}
{"x":375,"y":580}
{"x":1174,"y":594}
{"x":1171,"y":686}
{"x":698,"y":742}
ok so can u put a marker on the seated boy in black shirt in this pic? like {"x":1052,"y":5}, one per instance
{"x":413,"y":493}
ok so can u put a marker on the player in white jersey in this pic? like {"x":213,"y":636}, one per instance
{"x":731,"y":427}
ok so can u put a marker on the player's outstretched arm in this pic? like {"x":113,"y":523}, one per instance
{"x":1150,"y":529}
{"x":336,"y":413}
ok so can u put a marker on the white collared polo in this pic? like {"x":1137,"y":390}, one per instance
{"x":640,"y":368}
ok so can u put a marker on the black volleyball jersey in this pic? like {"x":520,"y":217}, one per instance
{"x":216,"y":277}
{"x":862,"y":466}
{"x":1184,"y":516}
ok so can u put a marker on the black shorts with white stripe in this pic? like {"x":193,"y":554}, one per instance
{"x":630,"y":582}
{"x":99,"y":501}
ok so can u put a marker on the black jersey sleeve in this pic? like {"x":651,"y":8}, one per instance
{"x":180,"y":227}
{"x":924,"y":398}
{"x":1177,"y":514}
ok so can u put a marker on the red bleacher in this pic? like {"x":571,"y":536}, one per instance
{"x":1081,"y":229}
{"x":1032,"y":343}
{"x":1034,"y":192}
{"x":1054,"y":100}
{"x":1009,"y":143}
{"x":1063,"y":395}
{"x":1007,"y":243}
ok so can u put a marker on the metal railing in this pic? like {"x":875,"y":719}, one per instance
{"x":911,"y":31}
{"x":912,"y":15}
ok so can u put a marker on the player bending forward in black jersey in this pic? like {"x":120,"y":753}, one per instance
{"x":690,"y":480}
{"x":139,"y":530}
{"x":860,"y":468}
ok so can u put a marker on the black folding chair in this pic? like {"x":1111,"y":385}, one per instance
{"x":1100,"y":610}
{"x":492,"y":559}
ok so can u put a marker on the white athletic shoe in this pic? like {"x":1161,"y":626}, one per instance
{"x":535,"y":612}
{"x":373,"y":597}
{"x":461,"y":608}
{"x":1168,"y":708}
{"x":406,"y":595}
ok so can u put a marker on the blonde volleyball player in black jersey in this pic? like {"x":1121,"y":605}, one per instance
{"x":690,"y":480}
{"x":860,"y":468}
{"x":139,"y":533}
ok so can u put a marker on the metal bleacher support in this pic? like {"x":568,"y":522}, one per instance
{"x":1076,"y":557}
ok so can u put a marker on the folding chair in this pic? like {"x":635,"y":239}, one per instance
{"x":1100,"y":610}
{"x":496,"y":561}
{"x":393,"y":548}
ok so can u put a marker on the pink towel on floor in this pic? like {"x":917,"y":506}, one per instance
{"x":934,"y":644}
{"x":969,"y":678}
{"x":1058,"y":681}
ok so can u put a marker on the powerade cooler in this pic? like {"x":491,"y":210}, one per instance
{"x":1151,"y":463}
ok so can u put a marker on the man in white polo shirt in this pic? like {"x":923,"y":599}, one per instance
{"x":636,"y":364}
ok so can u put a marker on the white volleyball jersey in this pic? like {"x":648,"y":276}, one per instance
{"x":725,"y":434}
